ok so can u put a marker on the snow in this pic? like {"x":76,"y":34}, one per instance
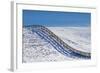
{"x":36,"y":49}
{"x":77,"y":37}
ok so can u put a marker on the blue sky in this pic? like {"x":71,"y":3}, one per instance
{"x":55,"y":18}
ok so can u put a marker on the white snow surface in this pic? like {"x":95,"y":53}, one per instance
{"x":77,"y":37}
{"x":36,"y":49}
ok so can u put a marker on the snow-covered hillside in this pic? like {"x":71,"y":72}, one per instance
{"x":77,"y":37}
{"x":36,"y":49}
{"x":40,"y":44}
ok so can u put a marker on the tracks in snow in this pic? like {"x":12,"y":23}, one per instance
{"x":57,"y":43}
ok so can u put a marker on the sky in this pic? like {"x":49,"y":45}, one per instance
{"x":56,"y":19}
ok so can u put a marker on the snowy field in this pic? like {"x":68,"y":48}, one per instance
{"x":36,"y":49}
{"x":77,"y":37}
